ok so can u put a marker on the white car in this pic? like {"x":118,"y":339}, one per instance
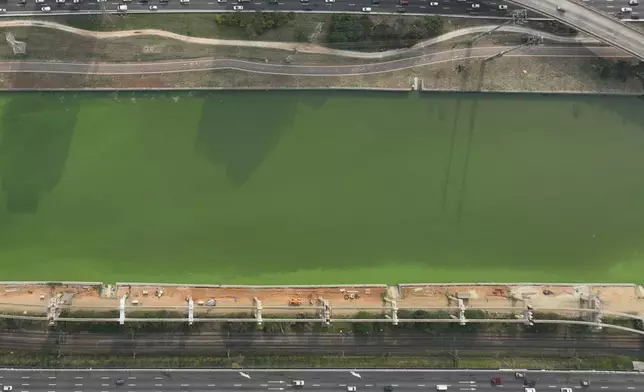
{"x":351,"y":388}
{"x":297,"y":383}
{"x":3,"y":10}
{"x":46,"y":8}
{"x":433,"y":4}
{"x":627,"y":9}
{"x":503,"y":7}
{"x":7,"y":388}
{"x":366,"y":9}
{"x":476,"y":5}
{"x":121,"y":8}
{"x":60,"y":1}
{"x":329,"y":1}
{"x":238,"y":7}
{"x":529,"y":390}
{"x":153,"y":8}
{"x":184,"y":1}
{"x":566,"y":389}
{"x":221,"y":1}
{"x":519,"y":375}
{"x":633,"y":2}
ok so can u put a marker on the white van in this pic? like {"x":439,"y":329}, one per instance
{"x":123,"y":8}
{"x":441,"y":387}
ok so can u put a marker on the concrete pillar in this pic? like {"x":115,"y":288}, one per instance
{"x":258,"y":310}
{"x":461,"y":312}
{"x":191,"y":311}
{"x":122,"y":310}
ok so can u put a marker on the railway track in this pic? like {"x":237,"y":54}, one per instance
{"x":312,"y":343}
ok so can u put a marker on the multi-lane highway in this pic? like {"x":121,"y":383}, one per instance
{"x":321,"y":380}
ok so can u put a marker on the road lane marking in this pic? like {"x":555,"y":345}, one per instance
{"x":52,"y":385}
{"x":78,"y":377}
{"x":105,"y":378}
{"x":552,"y":386}
{"x":25,"y":385}
{"x":78,"y":385}
{"x":158,"y":378}
{"x":25,"y":377}
{"x":131,"y":378}
{"x":105,"y":385}
{"x":131,"y":385}
{"x":604,"y":387}
{"x":158,"y":385}
{"x":263,"y":385}
{"x":631,"y":387}
{"x":185,"y":385}
{"x":369,"y":385}
{"x":211,"y":385}
{"x":421,"y":385}
{"x":316,"y":385}
{"x":237,"y":385}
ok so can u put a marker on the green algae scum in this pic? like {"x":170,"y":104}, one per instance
{"x":321,"y":187}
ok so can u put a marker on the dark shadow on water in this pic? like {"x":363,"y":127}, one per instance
{"x":237,"y":130}
{"x":36,"y":130}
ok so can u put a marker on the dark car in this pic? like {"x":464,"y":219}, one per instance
{"x":496,"y":381}
{"x":120,"y":381}
{"x":529,"y":383}
{"x":389,"y":388}
{"x":375,"y":2}
{"x":403,"y":2}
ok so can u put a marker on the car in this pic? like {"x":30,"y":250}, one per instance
{"x":403,"y":2}
{"x":121,"y":8}
{"x":238,"y":8}
{"x":476,"y":5}
{"x":221,"y":1}
{"x":529,"y":390}
{"x":60,"y":1}
{"x":529,"y":383}
{"x":584,"y":383}
{"x":441,"y":387}
{"x":366,"y":9}
{"x":184,"y":1}
{"x":626,"y":9}
{"x":389,"y":388}
{"x":561,"y":8}
{"x":633,"y":2}
{"x":46,"y":8}
{"x":120,"y":381}
{"x":375,"y":2}
{"x":297,"y":383}
{"x":7,"y":388}
{"x":351,"y":388}
{"x":496,"y":381}
{"x":401,"y":10}
{"x":433,"y":4}
{"x":519,"y":375}
{"x":22,"y":2}
{"x":329,"y":1}
{"x":503,"y":7}
{"x":566,"y":389}
{"x":153,"y":8}
{"x":3,"y":10}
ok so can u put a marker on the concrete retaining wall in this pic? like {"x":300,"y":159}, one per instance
{"x":46,"y":283}
{"x":517,"y":284}
{"x":232,"y":286}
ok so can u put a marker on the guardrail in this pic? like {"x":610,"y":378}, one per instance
{"x":598,"y":12}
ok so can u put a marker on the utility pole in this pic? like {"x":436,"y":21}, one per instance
{"x":518,"y":18}
{"x":531,"y":40}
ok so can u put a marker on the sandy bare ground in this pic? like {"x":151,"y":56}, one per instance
{"x":497,"y":298}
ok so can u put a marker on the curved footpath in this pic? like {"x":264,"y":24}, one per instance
{"x":300,"y":47}
{"x":210,"y":64}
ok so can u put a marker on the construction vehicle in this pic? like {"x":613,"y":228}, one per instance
{"x":351,"y":295}
{"x":295,"y":302}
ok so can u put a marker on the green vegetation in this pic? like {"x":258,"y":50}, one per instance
{"x":437,"y":360}
{"x":361,"y":32}
{"x":320,"y":187}
{"x":618,"y":69}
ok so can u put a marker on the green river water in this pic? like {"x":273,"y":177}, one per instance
{"x":321,"y":187}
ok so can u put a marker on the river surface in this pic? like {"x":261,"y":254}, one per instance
{"x":321,"y":187}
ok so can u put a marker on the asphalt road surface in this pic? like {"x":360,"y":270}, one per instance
{"x":488,"y":8}
{"x":320,"y":380}
{"x":402,"y":343}
{"x":297,"y":70}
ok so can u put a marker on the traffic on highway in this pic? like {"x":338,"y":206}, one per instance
{"x":490,"y":8}
{"x":387,"y":380}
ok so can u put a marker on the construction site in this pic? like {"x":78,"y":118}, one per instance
{"x":73,"y":301}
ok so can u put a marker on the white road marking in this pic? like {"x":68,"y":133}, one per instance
{"x":104,"y":378}
{"x":78,"y":385}
{"x":131,"y":378}
{"x":185,"y":385}
{"x":52,"y":385}
{"x":631,"y":387}
{"x":237,"y":385}
{"x":394,"y":385}
{"x":468,"y":389}
{"x":368,"y":385}
{"x":275,"y":389}
{"x":25,"y":377}
{"x":131,"y":385}
{"x":157,"y":378}
{"x":211,"y":385}
{"x":604,"y":387}
{"x":78,"y":377}
{"x":552,"y":386}
{"x":316,"y":385}
{"x":467,"y":382}
{"x":105,"y":385}
{"x":25,"y":385}
{"x":421,"y":385}
{"x":244,"y":375}
{"x":158,"y":385}
{"x":342,"y":385}
{"x":51,"y":377}
{"x":263,"y":385}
